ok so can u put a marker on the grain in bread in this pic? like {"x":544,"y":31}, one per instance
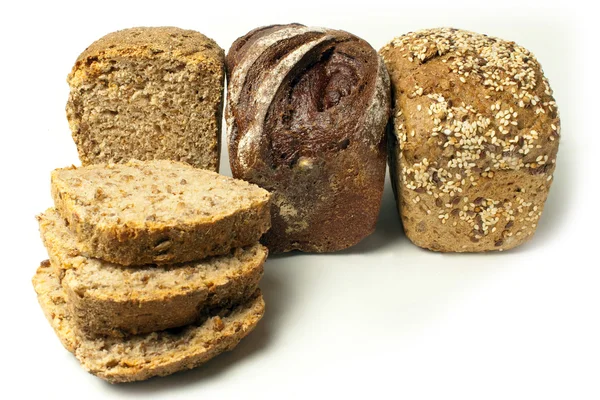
{"x":113,"y":300}
{"x":144,"y":356}
{"x":306,"y":114}
{"x":475,"y":139}
{"x":159,"y":211}
{"x":53,"y":300}
{"x":148,"y":93}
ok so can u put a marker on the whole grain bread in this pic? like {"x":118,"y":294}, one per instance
{"x":306,"y":114}
{"x":158,"y":212}
{"x":112,"y":300}
{"x":148,"y":93}
{"x":144,"y":356}
{"x":475,"y":139}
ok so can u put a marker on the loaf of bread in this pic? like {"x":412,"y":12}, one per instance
{"x":158,"y":212}
{"x":148,"y":93}
{"x":306,"y":115}
{"x":112,"y":300}
{"x":143,"y":356}
{"x":475,"y":139}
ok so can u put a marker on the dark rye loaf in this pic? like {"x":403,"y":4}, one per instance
{"x":475,"y":139}
{"x":306,"y":115}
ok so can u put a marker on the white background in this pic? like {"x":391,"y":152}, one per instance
{"x":381,"y":320}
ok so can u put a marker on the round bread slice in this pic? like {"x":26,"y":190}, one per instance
{"x":158,"y":212}
{"x":144,"y":356}
{"x":475,"y":139}
{"x":148,"y":93}
{"x":112,"y":300}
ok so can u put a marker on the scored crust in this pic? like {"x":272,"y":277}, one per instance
{"x":109,"y":299}
{"x":475,"y":139}
{"x":306,"y":115}
{"x":143,"y":356}
{"x":158,"y":212}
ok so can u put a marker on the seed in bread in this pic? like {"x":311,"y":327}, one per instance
{"x":306,"y":115}
{"x":475,"y":139}
{"x":143,"y":356}
{"x":158,"y":212}
{"x":148,"y":93}
{"x":112,"y":300}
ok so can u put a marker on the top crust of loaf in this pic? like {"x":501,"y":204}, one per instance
{"x":477,"y":133}
{"x":158,"y":211}
{"x":152,"y":42}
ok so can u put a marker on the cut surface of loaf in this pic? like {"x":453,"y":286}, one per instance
{"x":475,"y":139}
{"x":158,"y":212}
{"x":113,"y":300}
{"x":144,"y":356}
{"x":306,"y":114}
{"x":148,"y":93}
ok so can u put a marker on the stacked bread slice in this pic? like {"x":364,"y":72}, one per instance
{"x":153,"y":265}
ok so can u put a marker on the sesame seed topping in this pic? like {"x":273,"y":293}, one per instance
{"x":476,"y":142}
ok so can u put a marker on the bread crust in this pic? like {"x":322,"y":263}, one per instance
{"x":144,"y":356}
{"x":169,"y":50}
{"x":167,"y":42}
{"x":306,"y":115}
{"x":173,"y":220}
{"x":475,"y":139}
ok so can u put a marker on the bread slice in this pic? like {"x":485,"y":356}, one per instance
{"x":148,"y":93}
{"x":158,"y":212}
{"x":144,"y":356}
{"x":109,"y":299}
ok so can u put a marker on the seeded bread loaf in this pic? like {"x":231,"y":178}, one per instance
{"x":306,"y":115}
{"x":148,"y":93}
{"x":144,"y":356}
{"x":112,"y":300}
{"x":158,"y":212}
{"x":475,"y":139}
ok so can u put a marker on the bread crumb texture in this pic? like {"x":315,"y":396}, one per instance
{"x":141,"y":357}
{"x":158,"y":211}
{"x":109,"y":299}
{"x":148,"y":93}
{"x":475,"y":139}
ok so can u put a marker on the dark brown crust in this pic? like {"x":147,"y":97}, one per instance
{"x":236,"y":51}
{"x":320,"y":152}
